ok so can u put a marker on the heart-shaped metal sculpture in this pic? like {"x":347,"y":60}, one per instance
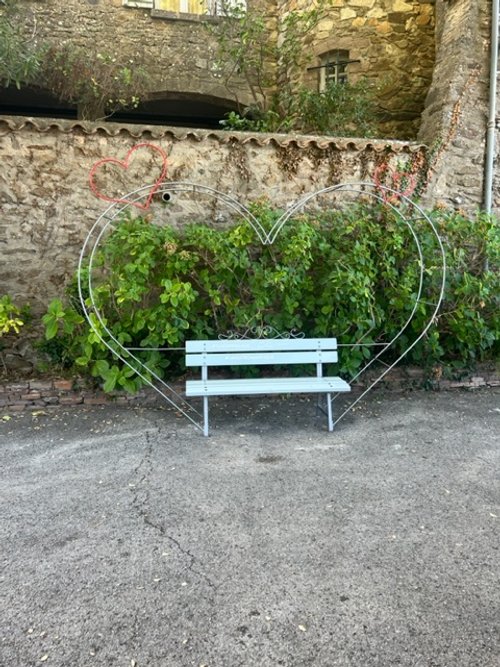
{"x":125,"y":164}
{"x":394,"y":200}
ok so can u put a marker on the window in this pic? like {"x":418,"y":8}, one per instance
{"x":333,"y":68}
{"x":199,"y":7}
{"x":182,"y":6}
{"x":223,"y":7}
{"x":138,"y":3}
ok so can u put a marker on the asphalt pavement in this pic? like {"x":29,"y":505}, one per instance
{"x":128,"y":539}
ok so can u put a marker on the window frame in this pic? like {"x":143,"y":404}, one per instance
{"x":330,"y":62}
{"x":139,"y":4}
{"x":214,"y":8}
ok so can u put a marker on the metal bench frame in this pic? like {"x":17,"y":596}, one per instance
{"x":276,"y":352}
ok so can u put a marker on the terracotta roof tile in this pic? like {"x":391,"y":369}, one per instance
{"x":17,"y":123}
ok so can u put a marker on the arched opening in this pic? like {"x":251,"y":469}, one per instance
{"x":33,"y":101}
{"x":178,"y":109}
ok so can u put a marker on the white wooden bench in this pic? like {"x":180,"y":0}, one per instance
{"x":278,"y":352}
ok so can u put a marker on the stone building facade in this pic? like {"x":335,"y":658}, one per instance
{"x":176,"y":49}
{"x":390,"y":42}
{"x":47,"y":207}
{"x":455,"y":119}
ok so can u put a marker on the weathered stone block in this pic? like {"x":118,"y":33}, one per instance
{"x":96,"y":400}
{"x":347,"y":13}
{"x":376,"y":13}
{"x":384,"y":27}
{"x":401,"y":6}
{"x":40,"y":385}
{"x":361,"y":3}
{"x":17,"y":388}
{"x":63,"y":385}
{"x":70,"y":400}
{"x":51,"y":400}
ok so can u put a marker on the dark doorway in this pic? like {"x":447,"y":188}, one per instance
{"x":33,"y":102}
{"x":179,"y":109}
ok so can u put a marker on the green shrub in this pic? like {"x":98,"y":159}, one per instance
{"x":245,"y":49}
{"x":352,"y":274}
{"x":10,"y":316}
{"x":342,"y":109}
{"x":98,"y":82}
{"x":20,"y":55}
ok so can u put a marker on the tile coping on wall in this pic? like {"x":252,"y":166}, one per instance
{"x":37,"y":394}
{"x":9,"y":124}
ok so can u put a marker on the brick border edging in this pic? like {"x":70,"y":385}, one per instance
{"x":28,"y":394}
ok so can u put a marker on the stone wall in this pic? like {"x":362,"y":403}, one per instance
{"x":394,"y":42}
{"x":48,"y":208}
{"x":393,"y":39}
{"x":454,"y":122}
{"x":177,"y":51}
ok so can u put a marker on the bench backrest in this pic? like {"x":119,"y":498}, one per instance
{"x":259,"y":352}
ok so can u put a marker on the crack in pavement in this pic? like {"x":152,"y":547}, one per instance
{"x":140,"y":504}
{"x":132,"y":642}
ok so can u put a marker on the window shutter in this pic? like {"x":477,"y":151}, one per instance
{"x":197,"y":6}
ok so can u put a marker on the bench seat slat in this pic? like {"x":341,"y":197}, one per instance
{"x":261,"y":344}
{"x":254,"y":386}
{"x":277,"y":352}
{"x":260,"y":358}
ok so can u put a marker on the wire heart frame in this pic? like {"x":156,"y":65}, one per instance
{"x":386,"y":196}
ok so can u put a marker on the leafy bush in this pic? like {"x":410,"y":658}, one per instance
{"x":353,"y":274}
{"x":341,"y":109}
{"x":273,"y":71}
{"x":10,"y":316}
{"x":468,"y":327}
{"x":19,"y":54}
{"x":98,"y":82}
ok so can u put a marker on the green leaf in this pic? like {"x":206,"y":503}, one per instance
{"x":102,"y":367}
{"x":51,"y":328}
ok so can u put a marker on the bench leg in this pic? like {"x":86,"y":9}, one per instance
{"x":329,"y":409}
{"x":205,"y":416}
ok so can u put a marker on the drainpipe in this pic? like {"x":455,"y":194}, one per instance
{"x":490,"y":136}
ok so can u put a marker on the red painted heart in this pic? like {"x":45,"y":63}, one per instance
{"x":394,"y":183}
{"x":125,"y":164}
